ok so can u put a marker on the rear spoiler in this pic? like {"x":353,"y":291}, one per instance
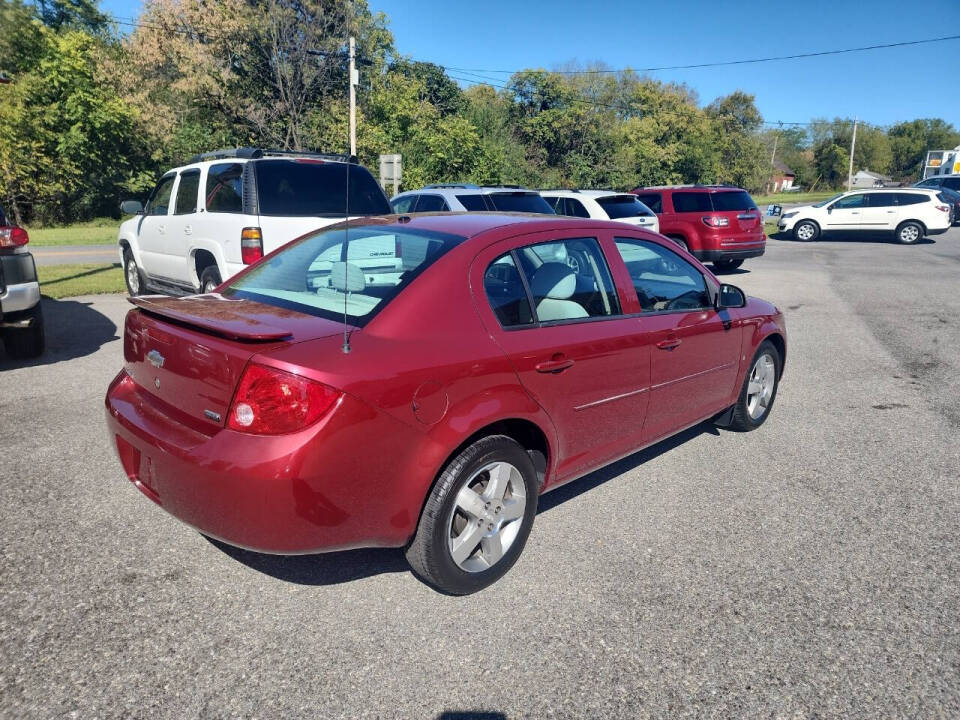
{"x":228,"y":321}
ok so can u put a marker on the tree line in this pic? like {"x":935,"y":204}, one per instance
{"x":98,"y":108}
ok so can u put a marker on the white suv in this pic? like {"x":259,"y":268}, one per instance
{"x":908,"y":213}
{"x":209,"y":219}
{"x":454,"y":197}
{"x":602,"y":205}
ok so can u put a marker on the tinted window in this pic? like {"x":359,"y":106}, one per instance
{"x":691,"y":202}
{"x":732,"y":201}
{"x":506,"y":293}
{"x":569,"y":279}
{"x":404,"y":204}
{"x":951,"y":182}
{"x":664,"y":281}
{"x":187,"y":193}
{"x":621,"y":206}
{"x":929,"y":183}
{"x":881,"y":199}
{"x":431,"y":203}
{"x":224,"y":190}
{"x":574,"y":208}
{"x":472,"y":203}
{"x":911,"y":198}
{"x":321,"y":274}
{"x":519,"y":202}
{"x":307,"y":188}
{"x":850,"y":201}
{"x":160,"y":197}
{"x":654,"y":201}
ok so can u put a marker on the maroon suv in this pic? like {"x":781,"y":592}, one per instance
{"x":715,"y":223}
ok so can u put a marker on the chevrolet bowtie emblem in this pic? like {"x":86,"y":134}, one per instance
{"x":155,"y":358}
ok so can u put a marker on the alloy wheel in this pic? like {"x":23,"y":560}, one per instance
{"x":486,"y":517}
{"x":910,"y":234}
{"x":763,"y":378}
{"x":133,"y":276}
{"x":805,"y":232}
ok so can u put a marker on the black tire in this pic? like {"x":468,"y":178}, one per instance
{"x":429,"y":552}
{"x":680,"y":241}
{"x":209,"y":279}
{"x":806,"y":224}
{"x":28,"y":342}
{"x":742,"y":420}
{"x":909,"y":233}
{"x":132,"y":275}
{"x":726,"y":265}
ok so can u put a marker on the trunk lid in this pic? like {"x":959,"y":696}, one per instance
{"x":189,"y":353}
{"x":745,"y":223}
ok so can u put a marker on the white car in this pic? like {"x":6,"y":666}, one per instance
{"x":463,"y":197}
{"x":602,"y":205}
{"x":908,"y":213}
{"x":207,"y":220}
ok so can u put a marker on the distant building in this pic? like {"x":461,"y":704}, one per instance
{"x":782,"y":177}
{"x":867,"y":179}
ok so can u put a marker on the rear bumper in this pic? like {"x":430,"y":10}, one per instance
{"x":310,"y":491}
{"x":738,"y":253}
{"x":19,"y":289}
{"x":938,"y":231}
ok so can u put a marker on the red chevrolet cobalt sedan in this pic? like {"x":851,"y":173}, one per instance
{"x":418,"y":381}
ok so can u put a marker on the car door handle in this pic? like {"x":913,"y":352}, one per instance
{"x":669,"y":343}
{"x":891,"y":212}
{"x":161,"y":229}
{"x":554,"y":365}
{"x":188,"y":229}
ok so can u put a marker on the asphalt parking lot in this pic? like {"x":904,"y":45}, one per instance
{"x":809,"y":569}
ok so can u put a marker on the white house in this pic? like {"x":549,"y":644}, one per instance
{"x":865,"y":179}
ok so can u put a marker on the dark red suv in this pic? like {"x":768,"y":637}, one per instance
{"x":715,"y":223}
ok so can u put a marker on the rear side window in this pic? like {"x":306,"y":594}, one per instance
{"x":325,"y":272}
{"x":224,"y":190}
{"x":574,"y":208}
{"x":691,"y":202}
{"x":187,"y":192}
{"x":519,"y":202}
{"x":622,"y":206}
{"x":951,"y":182}
{"x":881,"y":200}
{"x":431,"y":203}
{"x":911,"y":198}
{"x":473,"y":203}
{"x":654,"y":201}
{"x":404,"y":204}
{"x":734,"y":200}
{"x":312,"y":188}
{"x":506,"y":294}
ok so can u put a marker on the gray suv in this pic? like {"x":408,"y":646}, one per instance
{"x":470,"y":198}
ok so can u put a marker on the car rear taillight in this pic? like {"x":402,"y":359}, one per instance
{"x":716,"y":221}
{"x":251,"y":245}
{"x":944,"y":208}
{"x":271,"y":402}
{"x":13,"y":237}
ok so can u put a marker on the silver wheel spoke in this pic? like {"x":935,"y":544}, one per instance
{"x":462,"y":546}
{"x":492,"y":548}
{"x":513,"y":509}
{"x":471,"y":503}
{"x":754,"y":387}
{"x":499,"y":476}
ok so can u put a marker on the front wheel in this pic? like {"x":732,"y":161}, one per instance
{"x":477,"y":518}
{"x":131,"y":274}
{"x":726,"y":265}
{"x":909,"y":233}
{"x":805,"y":231}
{"x":759,"y":389}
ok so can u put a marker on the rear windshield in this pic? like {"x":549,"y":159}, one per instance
{"x":325,"y":273}
{"x":732,"y":200}
{"x":520,"y":202}
{"x":312,"y":188}
{"x":621,"y":206}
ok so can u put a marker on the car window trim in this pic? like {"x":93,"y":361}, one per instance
{"x":176,"y":198}
{"x":171,"y":175}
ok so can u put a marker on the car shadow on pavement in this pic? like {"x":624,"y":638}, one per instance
{"x":73,"y":329}
{"x":865,"y":238}
{"x":334,"y":568}
{"x":731,"y":271}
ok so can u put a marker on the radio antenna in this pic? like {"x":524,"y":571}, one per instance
{"x":346,"y":260}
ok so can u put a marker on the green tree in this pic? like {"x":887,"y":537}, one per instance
{"x":910,"y":142}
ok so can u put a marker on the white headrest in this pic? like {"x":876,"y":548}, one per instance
{"x":554,"y":280}
{"x":347,"y":277}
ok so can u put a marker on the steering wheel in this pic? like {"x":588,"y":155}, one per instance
{"x":690,"y":300}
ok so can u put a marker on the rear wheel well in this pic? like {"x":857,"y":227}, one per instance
{"x":525,"y":432}
{"x":923,"y":227}
{"x":202,"y":259}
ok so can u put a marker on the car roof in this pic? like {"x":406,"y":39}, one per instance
{"x":240,"y":160}
{"x":890,"y":189}
{"x":466,"y":190}
{"x":704,"y":188}
{"x":583,"y":193}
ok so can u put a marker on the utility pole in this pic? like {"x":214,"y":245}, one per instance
{"x":354,"y":81}
{"x":853,"y":146}
{"x":773,"y":158}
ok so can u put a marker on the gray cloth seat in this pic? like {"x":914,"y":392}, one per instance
{"x":554,"y":283}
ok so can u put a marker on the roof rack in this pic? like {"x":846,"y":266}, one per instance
{"x":575,"y":190}
{"x":253,"y":153}
{"x":451,"y":186}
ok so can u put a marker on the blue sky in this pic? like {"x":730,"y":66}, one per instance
{"x":880,"y":86}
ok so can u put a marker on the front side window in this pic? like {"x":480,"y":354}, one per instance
{"x":623,"y":206}
{"x":187,"y":193}
{"x":506,"y":294}
{"x":431,"y":203}
{"x":654,"y":201}
{"x":472,"y":203}
{"x":315,"y":188}
{"x":691,"y":202}
{"x":664,"y":281}
{"x":403,"y":204}
{"x":568,"y":280}
{"x":224,"y":188}
{"x":159,"y":202}
{"x":327,"y":272}
{"x":850,"y":201}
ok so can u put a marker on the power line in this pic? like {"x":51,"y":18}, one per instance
{"x":694,"y":66}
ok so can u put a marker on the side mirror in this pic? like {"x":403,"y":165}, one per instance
{"x":730,"y":296}
{"x":830,"y":209}
{"x":131,"y":207}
